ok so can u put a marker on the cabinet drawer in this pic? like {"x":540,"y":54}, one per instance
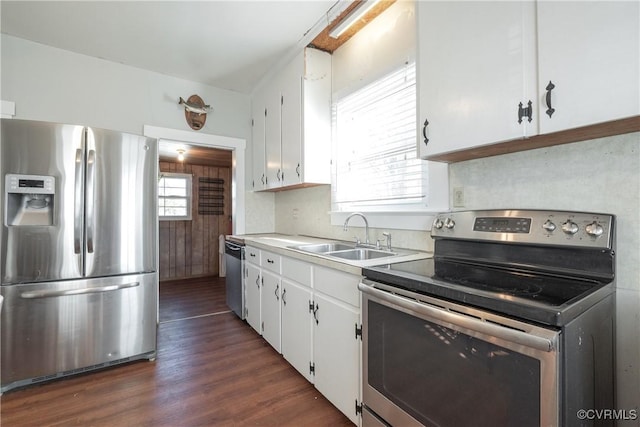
{"x":252,"y":255}
{"x":298,"y":271}
{"x":339,"y":285}
{"x":270,"y":261}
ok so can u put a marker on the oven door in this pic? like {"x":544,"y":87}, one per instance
{"x":431,"y":362}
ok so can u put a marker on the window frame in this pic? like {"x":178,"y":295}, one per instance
{"x":189,"y":196}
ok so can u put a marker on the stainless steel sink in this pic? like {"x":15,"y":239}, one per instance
{"x":347,"y":251}
{"x":361,"y":254}
{"x":324,"y":248}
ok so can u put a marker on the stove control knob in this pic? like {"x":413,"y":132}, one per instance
{"x":570,"y":227}
{"x":549,"y":226}
{"x":438,"y":223}
{"x":594,"y":229}
{"x":449,"y":223}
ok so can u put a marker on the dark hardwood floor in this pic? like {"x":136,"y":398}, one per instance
{"x":212,"y":370}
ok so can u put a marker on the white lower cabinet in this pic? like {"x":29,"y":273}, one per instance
{"x":270,"y":309}
{"x":296,"y":327}
{"x":311,"y":315}
{"x":252,"y":296}
{"x":336,"y":338}
{"x":336,"y":353}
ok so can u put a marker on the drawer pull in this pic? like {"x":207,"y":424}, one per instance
{"x":549,"y":88}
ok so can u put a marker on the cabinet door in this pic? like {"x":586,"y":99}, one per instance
{"x":476,"y":63}
{"x":252,"y":297}
{"x":258,"y":109}
{"x":272,"y":137}
{"x":270,"y":309}
{"x":590,"y":51}
{"x":336,"y":353}
{"x":291,"y":111}
{"x":296,"y":326}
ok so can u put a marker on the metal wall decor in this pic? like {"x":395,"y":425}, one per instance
{"x":195,"y":111}
{"x":211,"y":196}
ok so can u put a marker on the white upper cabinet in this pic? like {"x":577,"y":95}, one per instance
{"x":297,"y":130}
{"x":258,"y":109}
{"x":590,"y":52}
{"x":475,"y":66}
{"x":291,"y":108}
{"x":485,"y":68}
{"x":273,"y":151}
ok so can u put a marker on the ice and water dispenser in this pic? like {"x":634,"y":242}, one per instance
{"x":29,"y":200}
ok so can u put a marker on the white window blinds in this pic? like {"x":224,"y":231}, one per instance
{"x":375,"y":145}
{"x":174,"y":196}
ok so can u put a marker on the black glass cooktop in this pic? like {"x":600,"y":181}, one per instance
{"x":524,"y":294}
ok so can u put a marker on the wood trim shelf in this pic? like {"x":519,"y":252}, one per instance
{"x":599,"y":130}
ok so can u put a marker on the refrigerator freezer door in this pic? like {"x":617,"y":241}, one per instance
{"x":56,"y":329}
{"x":34,"y":253}
{"x":121,"y":203}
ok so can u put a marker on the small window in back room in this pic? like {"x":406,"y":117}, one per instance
{"x":377,"y":167}
{"x":174,"y":196}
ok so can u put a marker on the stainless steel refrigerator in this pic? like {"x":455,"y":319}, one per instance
{"x":78,"y":257}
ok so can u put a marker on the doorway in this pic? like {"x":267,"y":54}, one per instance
{"x":192,"y":247}
{"x":201,"y":145}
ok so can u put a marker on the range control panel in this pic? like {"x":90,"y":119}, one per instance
{"x":528,"y":226}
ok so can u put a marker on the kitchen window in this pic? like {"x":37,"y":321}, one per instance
{"x":174,"y":196}
{"x":376,"y":167}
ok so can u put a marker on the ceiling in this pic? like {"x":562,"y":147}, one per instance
{"x":225,"y":44}
{"x":228,"y":44}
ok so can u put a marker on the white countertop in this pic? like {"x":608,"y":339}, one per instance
{"x":280,"y":244}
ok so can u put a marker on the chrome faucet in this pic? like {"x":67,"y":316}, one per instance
{"x":388,"y":236}
{"x":366,"y":225}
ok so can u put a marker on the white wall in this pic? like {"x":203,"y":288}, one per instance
{"x":60,"y":86}
{"x":601,"y":175}
{"x":381,"y":47}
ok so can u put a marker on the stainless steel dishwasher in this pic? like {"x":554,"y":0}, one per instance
{"x":234,"y":259}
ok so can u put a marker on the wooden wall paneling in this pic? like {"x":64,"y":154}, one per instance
{"x":164,"y":252}
{"x":224,"y":221}
{"x":197,"y":242}
{"x":191,"y":248}
{"x":209,"y":263}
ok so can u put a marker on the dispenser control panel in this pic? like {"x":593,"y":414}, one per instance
{"x":30,"y":184}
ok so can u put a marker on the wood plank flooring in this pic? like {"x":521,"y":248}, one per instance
{"x":212,"y":370}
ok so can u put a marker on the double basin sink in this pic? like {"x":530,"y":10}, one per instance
{"x":347,"y":251}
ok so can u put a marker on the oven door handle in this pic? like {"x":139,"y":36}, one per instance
{"x":460,"y":320}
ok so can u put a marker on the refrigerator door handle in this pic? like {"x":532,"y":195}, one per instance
{"x":91,"y":182}
{"x":83,"y":291}
{"x":77,"y":215}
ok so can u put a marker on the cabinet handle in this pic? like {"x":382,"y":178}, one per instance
{"x":549,"y":88}
{"x":276,"y":292}
{"x":315,"y":314}
{"x":298,"y":170}
{"x":270,"y":261}
{"x":258,"y":281}
{"x":284,"y":293}
{"x":525,"y":112}
{"x":278,"y":175}
{"x":424,"y":131}
{"x":262,"y":179}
